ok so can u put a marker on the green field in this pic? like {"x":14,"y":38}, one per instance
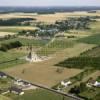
{"x":38,"y":95}
{"x":4,"y":98}
{"x":10,"y":58}
{"x":95,"y":27}
{"x":93,"y":39}
{"x":27,"y":42}
{"x":87,"y":59}
{"x":55,"y":46}
{"x":94,"y":52}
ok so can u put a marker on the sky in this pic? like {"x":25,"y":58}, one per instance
{"x":49,"y":2}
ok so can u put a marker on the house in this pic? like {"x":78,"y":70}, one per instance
{"x":97,"y":84}
{"x":66,"y":83}
{"x":16,"y":90}
{"x":92,"y":82}
{"x":21,"y":83}
{"x":24,"y":85}
{"x":3,"y":75}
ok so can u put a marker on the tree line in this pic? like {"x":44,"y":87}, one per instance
{"x":6,"y":46}
{"x":14,"y":21}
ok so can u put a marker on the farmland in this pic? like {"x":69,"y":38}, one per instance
{"x":88,"y":59}
{"x":34,"y":69}
{"x":4,"y":98}
{"x":10,"y":59}
{"x":73,"y":53}
{"x":27,"y":42}
{"x":15,"y":29}
{"x":55,"y":46}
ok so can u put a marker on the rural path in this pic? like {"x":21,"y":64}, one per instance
{"x":45,"y":72}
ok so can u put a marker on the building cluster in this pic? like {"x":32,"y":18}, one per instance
{"x":18,"y":86}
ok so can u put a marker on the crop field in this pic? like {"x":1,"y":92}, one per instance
{"x":10,"y":59}
{"x":94,"y":52}
{"x":95,"y":28}
{"x":87,"y":59}
{"x":17,"y":15}
{"x":50,"y":18}
{"x":6,"y":33}
{"x":55,"y":46}
{"x":47,"y":18}
{"x":93,"y":39}
{"x":26,"y":42}
{"x":15,"y":29}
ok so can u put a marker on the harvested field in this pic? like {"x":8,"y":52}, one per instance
{"x":15,"y":28}
{"x":48,"y":18}
{"x":6,"y":33}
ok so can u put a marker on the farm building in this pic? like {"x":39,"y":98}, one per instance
{"x":24,"y":85}
{"x":66,"y":83}
{"x":93,"y":83}
{"x":16,"y":90}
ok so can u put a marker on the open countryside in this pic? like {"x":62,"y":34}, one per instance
{"x":50,"y":56}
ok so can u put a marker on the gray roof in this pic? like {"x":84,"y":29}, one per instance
{"x":15,"y":89}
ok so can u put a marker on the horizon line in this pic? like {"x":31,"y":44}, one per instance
{"x":51,"y":6}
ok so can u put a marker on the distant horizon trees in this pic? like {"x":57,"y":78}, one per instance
{"x":15,"y":21}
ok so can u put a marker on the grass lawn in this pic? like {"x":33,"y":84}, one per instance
{"x":38,"y":95}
